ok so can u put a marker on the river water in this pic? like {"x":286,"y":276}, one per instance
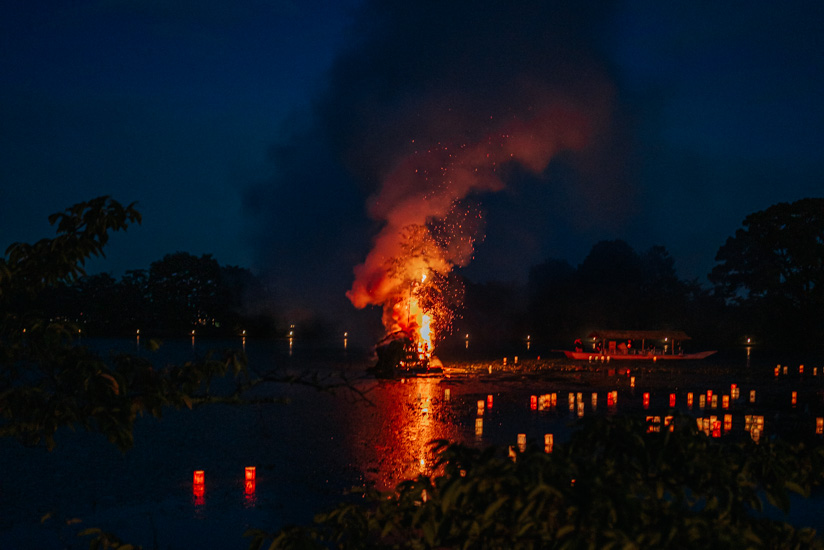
{"x":309,"y":451}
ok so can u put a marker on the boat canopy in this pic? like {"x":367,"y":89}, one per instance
{"x":639,"y":335}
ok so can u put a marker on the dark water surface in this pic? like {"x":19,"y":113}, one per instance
{"x":309,"y":451}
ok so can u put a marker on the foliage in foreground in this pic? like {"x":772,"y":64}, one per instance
{"x":611,"y":486}
{"x":47,"y":381}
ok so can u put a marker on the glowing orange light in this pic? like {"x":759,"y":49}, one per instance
{"x":819,"y":425}
{"x":489,"y":401}
{"x":794,"y":398}
{"x":800,"y":369}
{"x":533,"y":402}
{"x":689,"y":400}
{"x":549,"y":442}
{"x":199,"y":477}
{"x":725,"y":402}
{"x":250,"y":473}
{"x":672,"y":400}
{"x":249,"y":486}
{"x":646,"y":400}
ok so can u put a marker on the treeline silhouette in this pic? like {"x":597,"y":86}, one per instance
{"x":768,"y":285}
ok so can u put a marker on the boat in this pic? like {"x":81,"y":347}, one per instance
{"x":622,"y":345}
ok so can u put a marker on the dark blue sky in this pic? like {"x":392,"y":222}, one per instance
{"x":256,"y":130}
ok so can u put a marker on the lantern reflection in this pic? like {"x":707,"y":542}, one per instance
{"x":199,"y":487}
{"x":646,"y":400}
{"x":549,"y":442}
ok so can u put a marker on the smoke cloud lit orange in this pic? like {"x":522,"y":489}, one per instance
{"x":427,"y":228}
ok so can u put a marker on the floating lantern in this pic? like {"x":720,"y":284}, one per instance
{"x":489,"y":401}
{"x":549,"y":442}
{"x":504,"y":361}
{"x":725,"y":402}
{"x":785,"y":369}
{"x":249,"y":473}
{"x":615,"y":397}
{"x":447,"y":394}
{"x":815,"y":371}
{"x":794,"y":398}
{"x":571,"y":400}
{"x":709,"y":395}
{"x":533,"y":402}
{"x":702,"y":401}
{"x":689,"y":400}
{"x":800,"y":369}
{"x":752,"y":396}
{"x":594,"y":400}
{"x":777,"y":368}
{"x":819,"y":425}
{"x":522,"y":442}
{"x":632,"y":382}
{"x":748,"y":422}
{"x":646,"y":400}
{"x":515,"y":360}
{"x":672,"y":400}
{"x":512,"y":454}
{"x":610,"y":402}
{"x":580,"y":409}
{"x":727,"y":422}
{"x":479,"y":427}
{"x":580,"y":396}
{"x":714,"y":401}
{"x":480,"y":408}
{"x":716,"y":426}
{"x":668,"y":421}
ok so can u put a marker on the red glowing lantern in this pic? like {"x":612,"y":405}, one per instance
{"x":549,"y":441}
{"x":250,"y":473}
{"x":689,"y":400}
{"x":610,"y":402}
{"x":533,"y":402}
{"x":672,"y":400}
{"x":646,"y":400}
{"x":199,"y":477}
{"x":489,"y":401}
{"x":249,"y":486}
{"x":794,"y":398}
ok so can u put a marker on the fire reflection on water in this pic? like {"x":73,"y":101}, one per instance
{"x":404,"y":424}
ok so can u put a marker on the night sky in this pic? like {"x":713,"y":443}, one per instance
{"x":257,"y":130}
